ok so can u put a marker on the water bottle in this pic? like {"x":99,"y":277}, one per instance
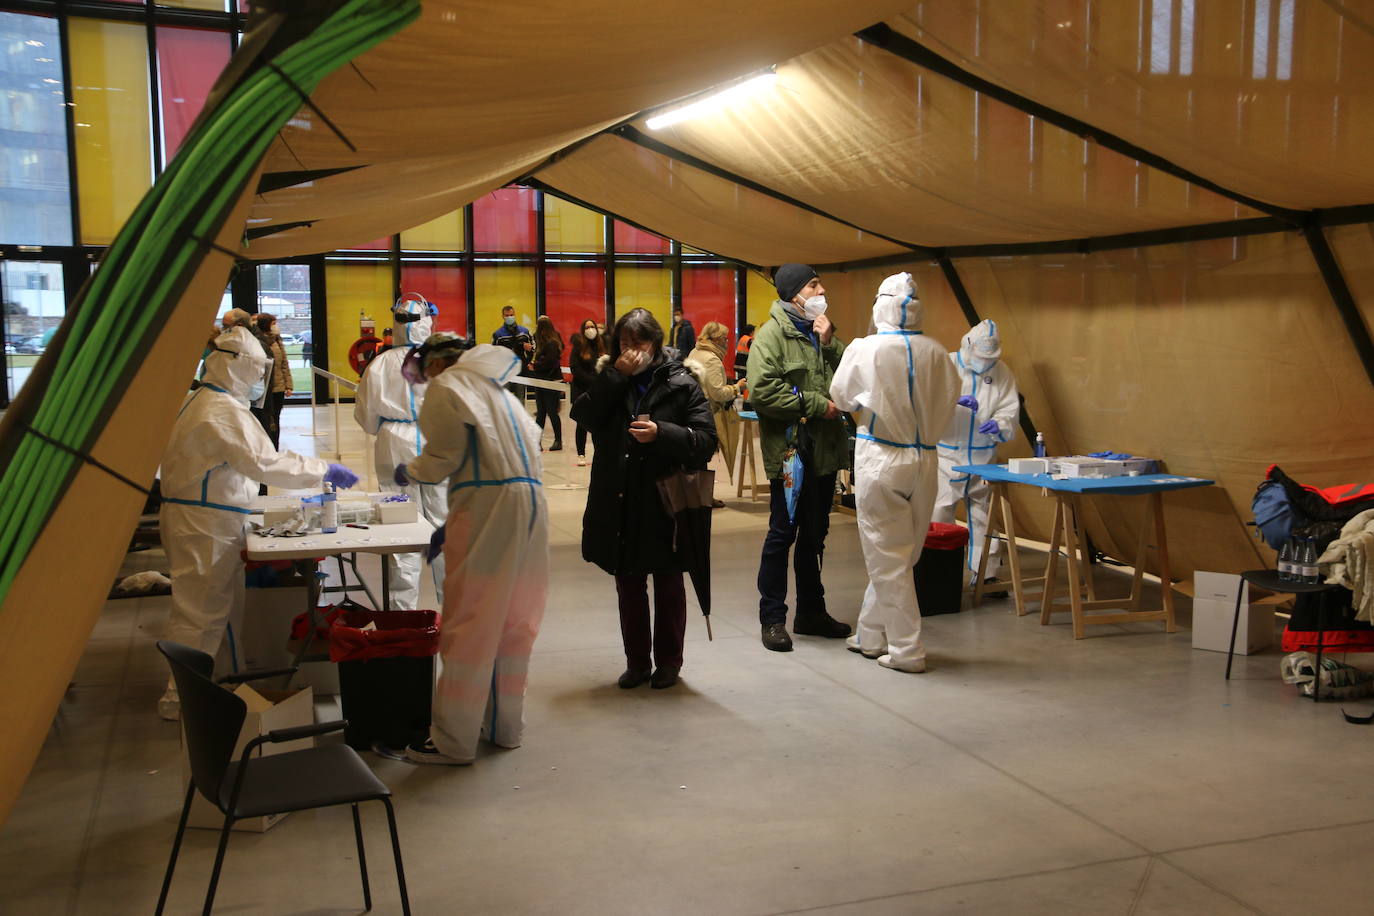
{"x":1308,"y":559}
{"x":1039,"y":445}
{"x":329,"y":510}
{"x":1286,"y":561}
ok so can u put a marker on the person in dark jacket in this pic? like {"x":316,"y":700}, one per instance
{"x":547,"y":365}
{"x":648,"y":418}
{"x":682,"y":336}
{"x":585,"y":348}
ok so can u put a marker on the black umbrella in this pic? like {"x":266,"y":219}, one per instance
{"x":687,"y":497}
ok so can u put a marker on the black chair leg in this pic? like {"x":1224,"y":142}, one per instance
{"x":176,"y":848}
{"x":362,"y":858}
{"x":1235,"y":622}
{"x":396,"y":851}
{"x":219,"y":862}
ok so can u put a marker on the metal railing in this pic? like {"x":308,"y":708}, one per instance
{"x":334,"y":382}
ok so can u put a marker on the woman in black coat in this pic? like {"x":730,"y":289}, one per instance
{"x":586,"y":347}
{"x":648,"y":418}
{"x":548,"y":352}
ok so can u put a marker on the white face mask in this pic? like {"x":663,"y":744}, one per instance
{"x":256,"y":391}
{"x":590,"y":333}
{"x":813,"y":308}
{"x":979,"y":366}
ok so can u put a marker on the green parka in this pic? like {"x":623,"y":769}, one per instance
{"x":783,"y":358}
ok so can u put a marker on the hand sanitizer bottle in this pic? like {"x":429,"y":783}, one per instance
{"x":1039,"y":445}
{"x":329,"y":510}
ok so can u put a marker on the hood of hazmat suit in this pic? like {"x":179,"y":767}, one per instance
{"x":480,"y":439}
{"x":214,"y":460}
{"x":388,"y":407}
{"x":901,"y":388}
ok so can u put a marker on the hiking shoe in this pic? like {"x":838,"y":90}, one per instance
{"x":428,"y":753}
{"x":664,"y":678}
{"x":775,"y":637}
{"x":632,"y":678}
{"x":821,"y":625}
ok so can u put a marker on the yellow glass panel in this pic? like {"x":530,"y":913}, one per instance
{"x":568,"y":227}
{"x":352,"y":291}
{"x":646,"y":288}
{"x":498,"y":287}
{"x":443,"y":233}
{"x":109,"y":64}
{"x":759,"y":297}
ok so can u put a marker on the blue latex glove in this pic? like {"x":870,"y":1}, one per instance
{"x":436,"y":543}
{"x":401,"y":478}
{"x":1099,"y":454}
{"x":340,"y":476}
{"x":990,"y":428}
{"x":968,"y":401}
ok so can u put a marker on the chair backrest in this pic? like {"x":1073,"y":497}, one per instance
{"x":211,"y":716}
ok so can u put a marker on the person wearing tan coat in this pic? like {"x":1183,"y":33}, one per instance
{"x":707,"y":363}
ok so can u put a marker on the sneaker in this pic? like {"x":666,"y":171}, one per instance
{"x":169,"y":707}
{"x":998,"y":595}
{"x":915,"y":667}
{"x":775,"y":637}
{"x":821,"y":624}
{"x":428,"y":753}
{"x":391,"y":753}
{"x":852,"y":644}
{"x":632,"y":678}
{"x":582,"y":461}
{"x":663,"y":678}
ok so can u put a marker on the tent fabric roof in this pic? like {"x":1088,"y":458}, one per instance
{"x":1265,"y":107}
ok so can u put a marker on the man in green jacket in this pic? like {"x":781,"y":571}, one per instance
{"x":791,"y":364}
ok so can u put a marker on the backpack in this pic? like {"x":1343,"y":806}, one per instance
{"x":1274,"y":515}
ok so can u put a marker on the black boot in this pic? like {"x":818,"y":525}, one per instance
{"x":820,"y":624}
{"x":557,"y":446}
{"x":663,"y":678}
{"x":632,"y":678}
{"x":775,"y":637}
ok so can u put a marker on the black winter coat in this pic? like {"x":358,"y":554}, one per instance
{"x":625,"y":528}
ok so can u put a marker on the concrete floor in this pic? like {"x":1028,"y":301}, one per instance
{"x":1024,"y":773}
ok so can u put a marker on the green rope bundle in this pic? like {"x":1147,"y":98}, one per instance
{"x":115,"y":319}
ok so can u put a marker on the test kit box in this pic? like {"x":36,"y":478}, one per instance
{"x":1088,"y":467}
{"x":1028,"y":465}
{"x":267,"y":710}
{"x":398,"y":513}
{"x":1214,"y":607}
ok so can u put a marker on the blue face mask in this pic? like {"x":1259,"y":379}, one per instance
{"x":510,"y":321}
{"x":256,"y":391}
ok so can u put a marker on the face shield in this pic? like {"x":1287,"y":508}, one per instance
{"x":237,"y":365}
{"x":413,"y":319}
{"x":982,"y":346}
{"x":441,"y":345}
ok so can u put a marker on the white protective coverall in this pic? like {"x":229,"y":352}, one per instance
{"x":496,"y":546}
{"x":990,"y":382}
{"x":215,"y":459}
{"x":901,"y":388}
{"x":388,"y":407}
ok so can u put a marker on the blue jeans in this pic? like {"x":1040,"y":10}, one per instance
{"x":808,"y":533}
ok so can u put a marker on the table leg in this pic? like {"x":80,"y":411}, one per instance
{"x":1143,"y":533}
{"x":746,"y":438}
{"x":386,"y":582}
{"x":1013,"y":561}
{"x":1052,"y":564}
{"x":1166,"y":579}
{"x":1081,"y":534}
{"x":1071,"y":541}
{"x":1235,"y":623}
{"x":994,"y":501}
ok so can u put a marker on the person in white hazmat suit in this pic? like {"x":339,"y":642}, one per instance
{"x":900,"y":387}
{"x":496,"y":544}
{"x":987,"y":413}
{"x":388,"y":407}
{"x":217,"y":455}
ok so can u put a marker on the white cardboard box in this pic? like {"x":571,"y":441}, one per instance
{"x":1028,"y":465}
{"x":267,"y":617}
{"x":1086,"y":467}
{"x":1214,"y":607}
{"x":397,"y":513}
{"x":267,"y":710}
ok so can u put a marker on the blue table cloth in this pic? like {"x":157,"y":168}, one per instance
{"x":1145,"y":483}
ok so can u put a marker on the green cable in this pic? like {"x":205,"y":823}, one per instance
{"x":153,"y":254}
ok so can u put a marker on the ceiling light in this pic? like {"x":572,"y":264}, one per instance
{"x":714,"y":102}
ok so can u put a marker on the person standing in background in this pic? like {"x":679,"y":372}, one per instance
{"x":547,"y":366}
{"x":706,"y":363}
{"x":682,"y":337}
{"x":517,"y":338}
{"x":586,"y":347}
{"x":268,"y":333}
{"x":746,"y":340}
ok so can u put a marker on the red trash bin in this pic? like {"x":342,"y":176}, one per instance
{"x":939,"y":573}
{"x":386,"y":674}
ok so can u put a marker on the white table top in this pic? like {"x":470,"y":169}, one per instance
{"x":381,"y":539}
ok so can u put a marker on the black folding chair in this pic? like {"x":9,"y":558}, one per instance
{"x":317,"y":777}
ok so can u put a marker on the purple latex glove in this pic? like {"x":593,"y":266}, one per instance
{"x":990,"y":428}
{"x":401,"y":478}
{"x":968,"y":401}
{"x":436,"y":543}
{"x":340,"y":476}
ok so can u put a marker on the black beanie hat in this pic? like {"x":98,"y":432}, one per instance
{"x":790,"y":278}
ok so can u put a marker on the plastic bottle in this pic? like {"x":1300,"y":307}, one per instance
{"x":1039,"y":445}
{"x":329,"y":510}
{"x":1285,"y":569}
{"x":1308,"y":560}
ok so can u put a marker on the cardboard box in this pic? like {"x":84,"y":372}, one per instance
{"x":267,"y":710}
{"x":1086,"y":467}
{"x":397,"y":513}
{"x":1214,"y":607}
{"x":266,"y":628}
{"x":1028,"y":465}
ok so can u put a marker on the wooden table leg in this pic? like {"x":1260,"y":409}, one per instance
{"x":1013,"y":560}
{"x":1052,"y":564}
{"x":1141,"y":551}
{"x":1081,"y":532}
{"x":1071,"y":541}
{"x":1166,"y":581}
{"x":746,"y":442}
{"x":994,"y":501}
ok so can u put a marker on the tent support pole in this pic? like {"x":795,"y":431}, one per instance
{"x":1340,"y":294}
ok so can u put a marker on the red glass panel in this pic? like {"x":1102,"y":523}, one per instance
{"x":636,"y":241}
{"x":708,"y":294}
{"x":446,"y":286}
{"x":505,"y":221}
{"x":572,"y":295}
{"x":188,"y":63}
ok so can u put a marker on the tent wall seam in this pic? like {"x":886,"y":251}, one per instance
{"x":885,"y":37}
{"x":1339,"y":290}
